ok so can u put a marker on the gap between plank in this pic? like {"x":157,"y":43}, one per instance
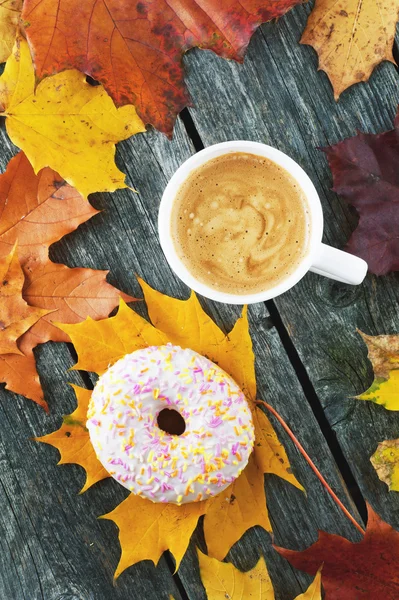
{"x":317,"y":409}
{"x":300,"y":370}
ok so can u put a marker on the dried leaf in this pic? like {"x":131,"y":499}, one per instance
{"x":385,"y":461}
{"x":37,"y":210}
{"x":101,"y":343}
{"x":10,"y":11}
{"x":314,"y":590}
{"x":367,"y":569}
{"x":384,"y":356}
{"x":365,"y":173}
{"x":135,"y":48}
{"x":65,"y":124}
{"x":351,"y":38}
{"x":16,"y":316}
{"x":73,"y":441}
{"x":270,"y":454}
{"x":223,"y":580}
{"x":235,"y":510}
{"x":186,"y":324}
{"x":147,"y":529}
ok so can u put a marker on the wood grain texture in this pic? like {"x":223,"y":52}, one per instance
{"x":52,"y":546}
{"x":126,"y":233}
{"x":279,"y":98}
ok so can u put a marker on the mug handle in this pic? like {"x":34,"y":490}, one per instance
{"x":339,"y":265}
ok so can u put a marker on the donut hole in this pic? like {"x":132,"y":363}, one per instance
{"x":171,"y":421}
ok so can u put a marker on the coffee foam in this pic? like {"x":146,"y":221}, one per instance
{"x":240,"y":223}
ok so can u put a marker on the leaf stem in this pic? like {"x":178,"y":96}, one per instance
{"x":312,"y":465}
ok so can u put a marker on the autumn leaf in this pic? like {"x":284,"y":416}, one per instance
{"x":314,"y":590}
{"x":365,"y":174}
{"x":65,"y":123}
{"x":224,"y":580}
{"x":383,"y":352}
{"x":135,"y":49}
{"x":243,"y":505}
{"x":16,"y":316}
{"x":10,"y":11}
{"x":38,"y":210}
{"x":351,"y":38}
{"x":73,"y":442}
{"x":152,"y":528}
{"x":229,"y":516}
{"x":385,"y":461}
{"x":99,"y":344}
{"x":367,"y":569}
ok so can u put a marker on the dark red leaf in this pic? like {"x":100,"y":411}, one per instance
{"x":367,"y":570}
{"x":365,"y":169}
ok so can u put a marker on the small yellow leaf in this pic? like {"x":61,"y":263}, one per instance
{"x":232,"y":512}
{"x":187,"y":325}
{"x":65,"y":124}
{"x":222,"y":581}
{"x":270,"y":454}
{"x":383,"y":352}
{"x":314,"y":590}
{"x":100,"y":344}
{"x":147,"y":529}
{"x":10,"y":11}
{"x":385,"y":461}
{"x":73,"y":441}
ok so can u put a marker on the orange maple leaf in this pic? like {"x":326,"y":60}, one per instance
{"x":135,"y":48}
{"x":37,"y":210}
{"x":147,"y":529}
{"x":16,"y":316}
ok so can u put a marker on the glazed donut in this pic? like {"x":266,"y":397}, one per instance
{"x":124,"y":423}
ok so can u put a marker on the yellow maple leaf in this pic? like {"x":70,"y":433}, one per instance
{"x":73,"y":441}
{"x":10,"y":11}
{"x":147,"y":529}
{"x":16,"y":316}
{"x":229,"y":517}
{"x":314,"y":590}
{"x":65,"y":124}
{"x":385,"y":461}
{"x":351,"y":37}
{"x":383,"y":352}
{"x":224,"y":580}
{"x":100,"y":344}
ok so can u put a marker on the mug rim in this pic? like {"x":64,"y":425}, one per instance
{"x":197,"y":160}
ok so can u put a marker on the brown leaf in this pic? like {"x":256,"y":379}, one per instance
{"x":16,"y":316}
{"x":38,"y":210}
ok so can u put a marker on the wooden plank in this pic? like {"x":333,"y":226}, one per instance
{"x":279,"y":98}
{"x":124,"y":238}
{"x":51,"y":543}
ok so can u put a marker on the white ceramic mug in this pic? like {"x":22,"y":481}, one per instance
{"x":321,"y":259}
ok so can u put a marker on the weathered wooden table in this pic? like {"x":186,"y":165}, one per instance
{"x":310,"y":360}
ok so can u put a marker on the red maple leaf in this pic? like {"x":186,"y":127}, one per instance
{"x":365,"y":169}
{"x":367,"y":570}
{"x":135,"y":48}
